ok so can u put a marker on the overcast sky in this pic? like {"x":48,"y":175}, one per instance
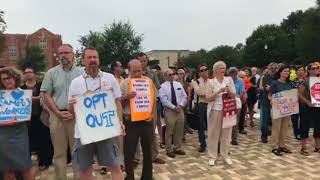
{"x":166,"y":24}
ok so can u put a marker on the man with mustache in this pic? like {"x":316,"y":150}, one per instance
{"x":55,"y":87}
{"x":106,"y":151}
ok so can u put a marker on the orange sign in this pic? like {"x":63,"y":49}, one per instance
{"x":142,"y":105}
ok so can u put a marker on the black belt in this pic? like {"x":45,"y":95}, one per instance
{"x":63,"y":110}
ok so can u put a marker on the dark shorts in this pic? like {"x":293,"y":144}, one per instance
{"x":309,"y":118}
{"x":14,"y":148}
{"x":106,"y":152}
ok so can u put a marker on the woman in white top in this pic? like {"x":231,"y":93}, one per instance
{"x":215,"y":88}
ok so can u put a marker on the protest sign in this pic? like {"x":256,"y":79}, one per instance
{"x":15,"y":106}
{"x":285,"y":103}
{"x":141,"y":106}
{"x":96,"y":116}
{"x":229,"y":111}
{"x":315,"y":91}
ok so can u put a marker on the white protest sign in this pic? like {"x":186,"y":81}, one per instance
{"x":96,"y":116}
{"x":142,"y":101}
{"x":315,"y":91}
{"x":15,"y":105}
{"x":285,"y":103}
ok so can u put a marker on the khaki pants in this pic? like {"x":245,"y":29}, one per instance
{"x":218,"y":134}
{"x":279,"y":131}
{"x":174,"y":129}
{"x":62,"y":135}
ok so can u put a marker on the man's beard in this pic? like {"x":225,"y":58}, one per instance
{"x":93,"y":69}
{"x":65,"y":61}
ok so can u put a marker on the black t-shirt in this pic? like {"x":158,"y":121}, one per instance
{"x":36,"y":107}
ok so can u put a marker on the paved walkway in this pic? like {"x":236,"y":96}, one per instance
{"x":252,"y":160}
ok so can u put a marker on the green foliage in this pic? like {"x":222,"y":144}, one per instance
{"x":267,"y":43}
{"x":231,"y":55}
{"x":34,"y":58}
{"x":118,"y":41}
{"x":308,"y":38}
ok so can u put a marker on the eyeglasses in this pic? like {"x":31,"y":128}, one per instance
{"x":60,"y":53}
{"x":203,"y":70}
{"x":172,"y":74}
{"x":6,"y":78}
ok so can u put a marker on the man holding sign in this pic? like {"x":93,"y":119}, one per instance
{"x":96,"y":98}
{"x":139,"y":97}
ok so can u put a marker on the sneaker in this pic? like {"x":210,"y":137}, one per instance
{"x":228,"y":161}
{"x":171,"y":154}
{"x":201,"y":149}
{"x":212,"y":162}
{"x":180,"y":152}
{"x":158,"y":161}
{"x":235,"y":143}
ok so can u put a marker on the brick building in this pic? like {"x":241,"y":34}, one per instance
{"x":16,"y":45}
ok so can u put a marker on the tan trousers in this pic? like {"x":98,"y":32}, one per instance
{"x":62,"y":135}
{"x":279,"y":131}
{"x":218,"y":134}
{"x":174,"y":129}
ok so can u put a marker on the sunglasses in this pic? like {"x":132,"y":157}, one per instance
{"x":203,"y":70}
{"x":314,"y":68}
{"x":172,"y":74}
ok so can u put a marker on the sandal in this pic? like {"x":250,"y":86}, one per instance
{"x":103,"y":171}
{"x":304,"y":152}
{"x":277,"y":152}
{"x":285,"y":150}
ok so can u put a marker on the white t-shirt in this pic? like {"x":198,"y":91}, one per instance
{"x":104,"y":81}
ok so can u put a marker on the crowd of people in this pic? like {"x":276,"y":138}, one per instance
{"x":184,"y":101}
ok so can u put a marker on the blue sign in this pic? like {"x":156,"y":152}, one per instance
{"x":15,"y":105}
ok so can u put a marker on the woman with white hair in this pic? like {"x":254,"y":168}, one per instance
{"x":217,"y":86}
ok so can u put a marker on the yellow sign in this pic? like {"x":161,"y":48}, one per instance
{"x":142,"y":105}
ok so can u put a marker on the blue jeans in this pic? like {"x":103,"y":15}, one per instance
{"x":265,"y":118}
{"x":202,"y":109}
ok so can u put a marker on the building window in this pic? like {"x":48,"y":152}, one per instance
{"x":13,"y":52}
{"x":43,"y":44}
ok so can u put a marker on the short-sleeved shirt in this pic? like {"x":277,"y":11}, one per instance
{"x":124,"y":86}
{"x":199,"y":87}
{"x":153,"y":76}
{"x":84,"y":83}
{"x":267,"y":80}
{"x":277,"y":86}
{"x":214,"y":86}
{"x":56,"y":83}
{"x":306,"y":85}
{"x":36,"y":107}
{"x":239,"y":85}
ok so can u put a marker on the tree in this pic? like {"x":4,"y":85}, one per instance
{"x":118,"y":41}
{"x":308,"y":38}
{"x":34,"y":58}
{"x":195,"y":59}
{"x":230,"y":55}
{"x":292,"y":25}
{"x":267,"y":43}
{"x":2,"y":29}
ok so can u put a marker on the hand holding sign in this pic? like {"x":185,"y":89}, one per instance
{"x":97,"y":118}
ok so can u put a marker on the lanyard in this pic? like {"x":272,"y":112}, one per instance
{"x":100,"y":81}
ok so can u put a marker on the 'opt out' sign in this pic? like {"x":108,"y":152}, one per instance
{"x":96,"y":117}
